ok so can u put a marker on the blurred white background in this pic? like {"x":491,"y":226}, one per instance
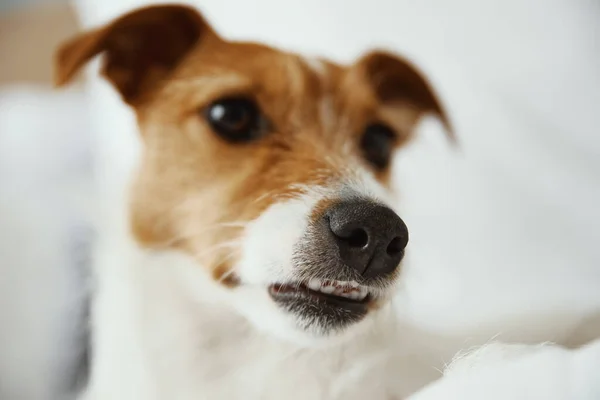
{"x":504,"y":230}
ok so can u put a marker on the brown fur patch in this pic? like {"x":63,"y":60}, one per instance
{"x":195,"y":191}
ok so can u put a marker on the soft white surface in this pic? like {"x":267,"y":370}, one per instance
{"x":45,"y":193}
{"x":504,"y":230}
{"x":515,"y":372}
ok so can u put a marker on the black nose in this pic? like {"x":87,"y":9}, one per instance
{"x":370,"y":237}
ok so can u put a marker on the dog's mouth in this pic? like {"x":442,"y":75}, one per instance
{"x":330,"y":303}
{"x":324,"y":290}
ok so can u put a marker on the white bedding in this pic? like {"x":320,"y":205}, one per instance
{"x":517,"y":372}
{"x":46,"y":189}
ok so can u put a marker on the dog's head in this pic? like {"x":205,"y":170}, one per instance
{"x":269,"y":169}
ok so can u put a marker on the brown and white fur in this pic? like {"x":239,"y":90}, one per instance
{"x":182,"y":308}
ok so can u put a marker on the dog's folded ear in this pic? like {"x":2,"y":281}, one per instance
{"x":396,"y":82}
{"x":140,"y":48}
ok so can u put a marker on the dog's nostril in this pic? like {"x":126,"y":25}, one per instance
{"x":358,"y":238}
{"x":395,"y":247}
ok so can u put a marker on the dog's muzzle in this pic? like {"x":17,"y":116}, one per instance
{"x":349,"y":254}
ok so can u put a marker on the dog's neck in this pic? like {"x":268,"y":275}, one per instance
{"x":161,"y":331}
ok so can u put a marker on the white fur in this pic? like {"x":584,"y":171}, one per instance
{"x":316,"y":64}
{"x":165,"y":329}
{"x":326,"y":111}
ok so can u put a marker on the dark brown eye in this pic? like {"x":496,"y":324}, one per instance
{"x":377,"y":144}
{"x":236,"y":119}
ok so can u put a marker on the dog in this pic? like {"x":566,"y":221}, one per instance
{"x":263,"y":249}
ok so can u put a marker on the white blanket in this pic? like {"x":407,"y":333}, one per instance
{"x":518,"y":372}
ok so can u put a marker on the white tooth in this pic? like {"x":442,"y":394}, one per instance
{"x":327,"y":289}
{"x":314,"y":284}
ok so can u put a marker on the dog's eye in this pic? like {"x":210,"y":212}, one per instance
{"x":235,"y":119}
{"x":377,"y":144}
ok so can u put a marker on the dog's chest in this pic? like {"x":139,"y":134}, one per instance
{"x":252,"y":367}
{"x":154,"y":343}
{"x":208,"y":352}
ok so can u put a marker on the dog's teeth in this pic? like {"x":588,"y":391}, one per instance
{"x":327,"y":289}
{"x":350,"y":290}
{"x":314,"y":284}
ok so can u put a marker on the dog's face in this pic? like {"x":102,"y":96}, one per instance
{"x":269,"y":169}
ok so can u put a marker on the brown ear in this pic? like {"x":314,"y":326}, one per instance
{"x":395,"y":80}
{"x":140,"y":47}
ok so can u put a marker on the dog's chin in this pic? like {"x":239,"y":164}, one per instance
{"x":305,"y":317}
{"x":318,"y":312}
{"x":324,"y":310}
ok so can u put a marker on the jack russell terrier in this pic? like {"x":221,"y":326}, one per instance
{"x":263,"y":248}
